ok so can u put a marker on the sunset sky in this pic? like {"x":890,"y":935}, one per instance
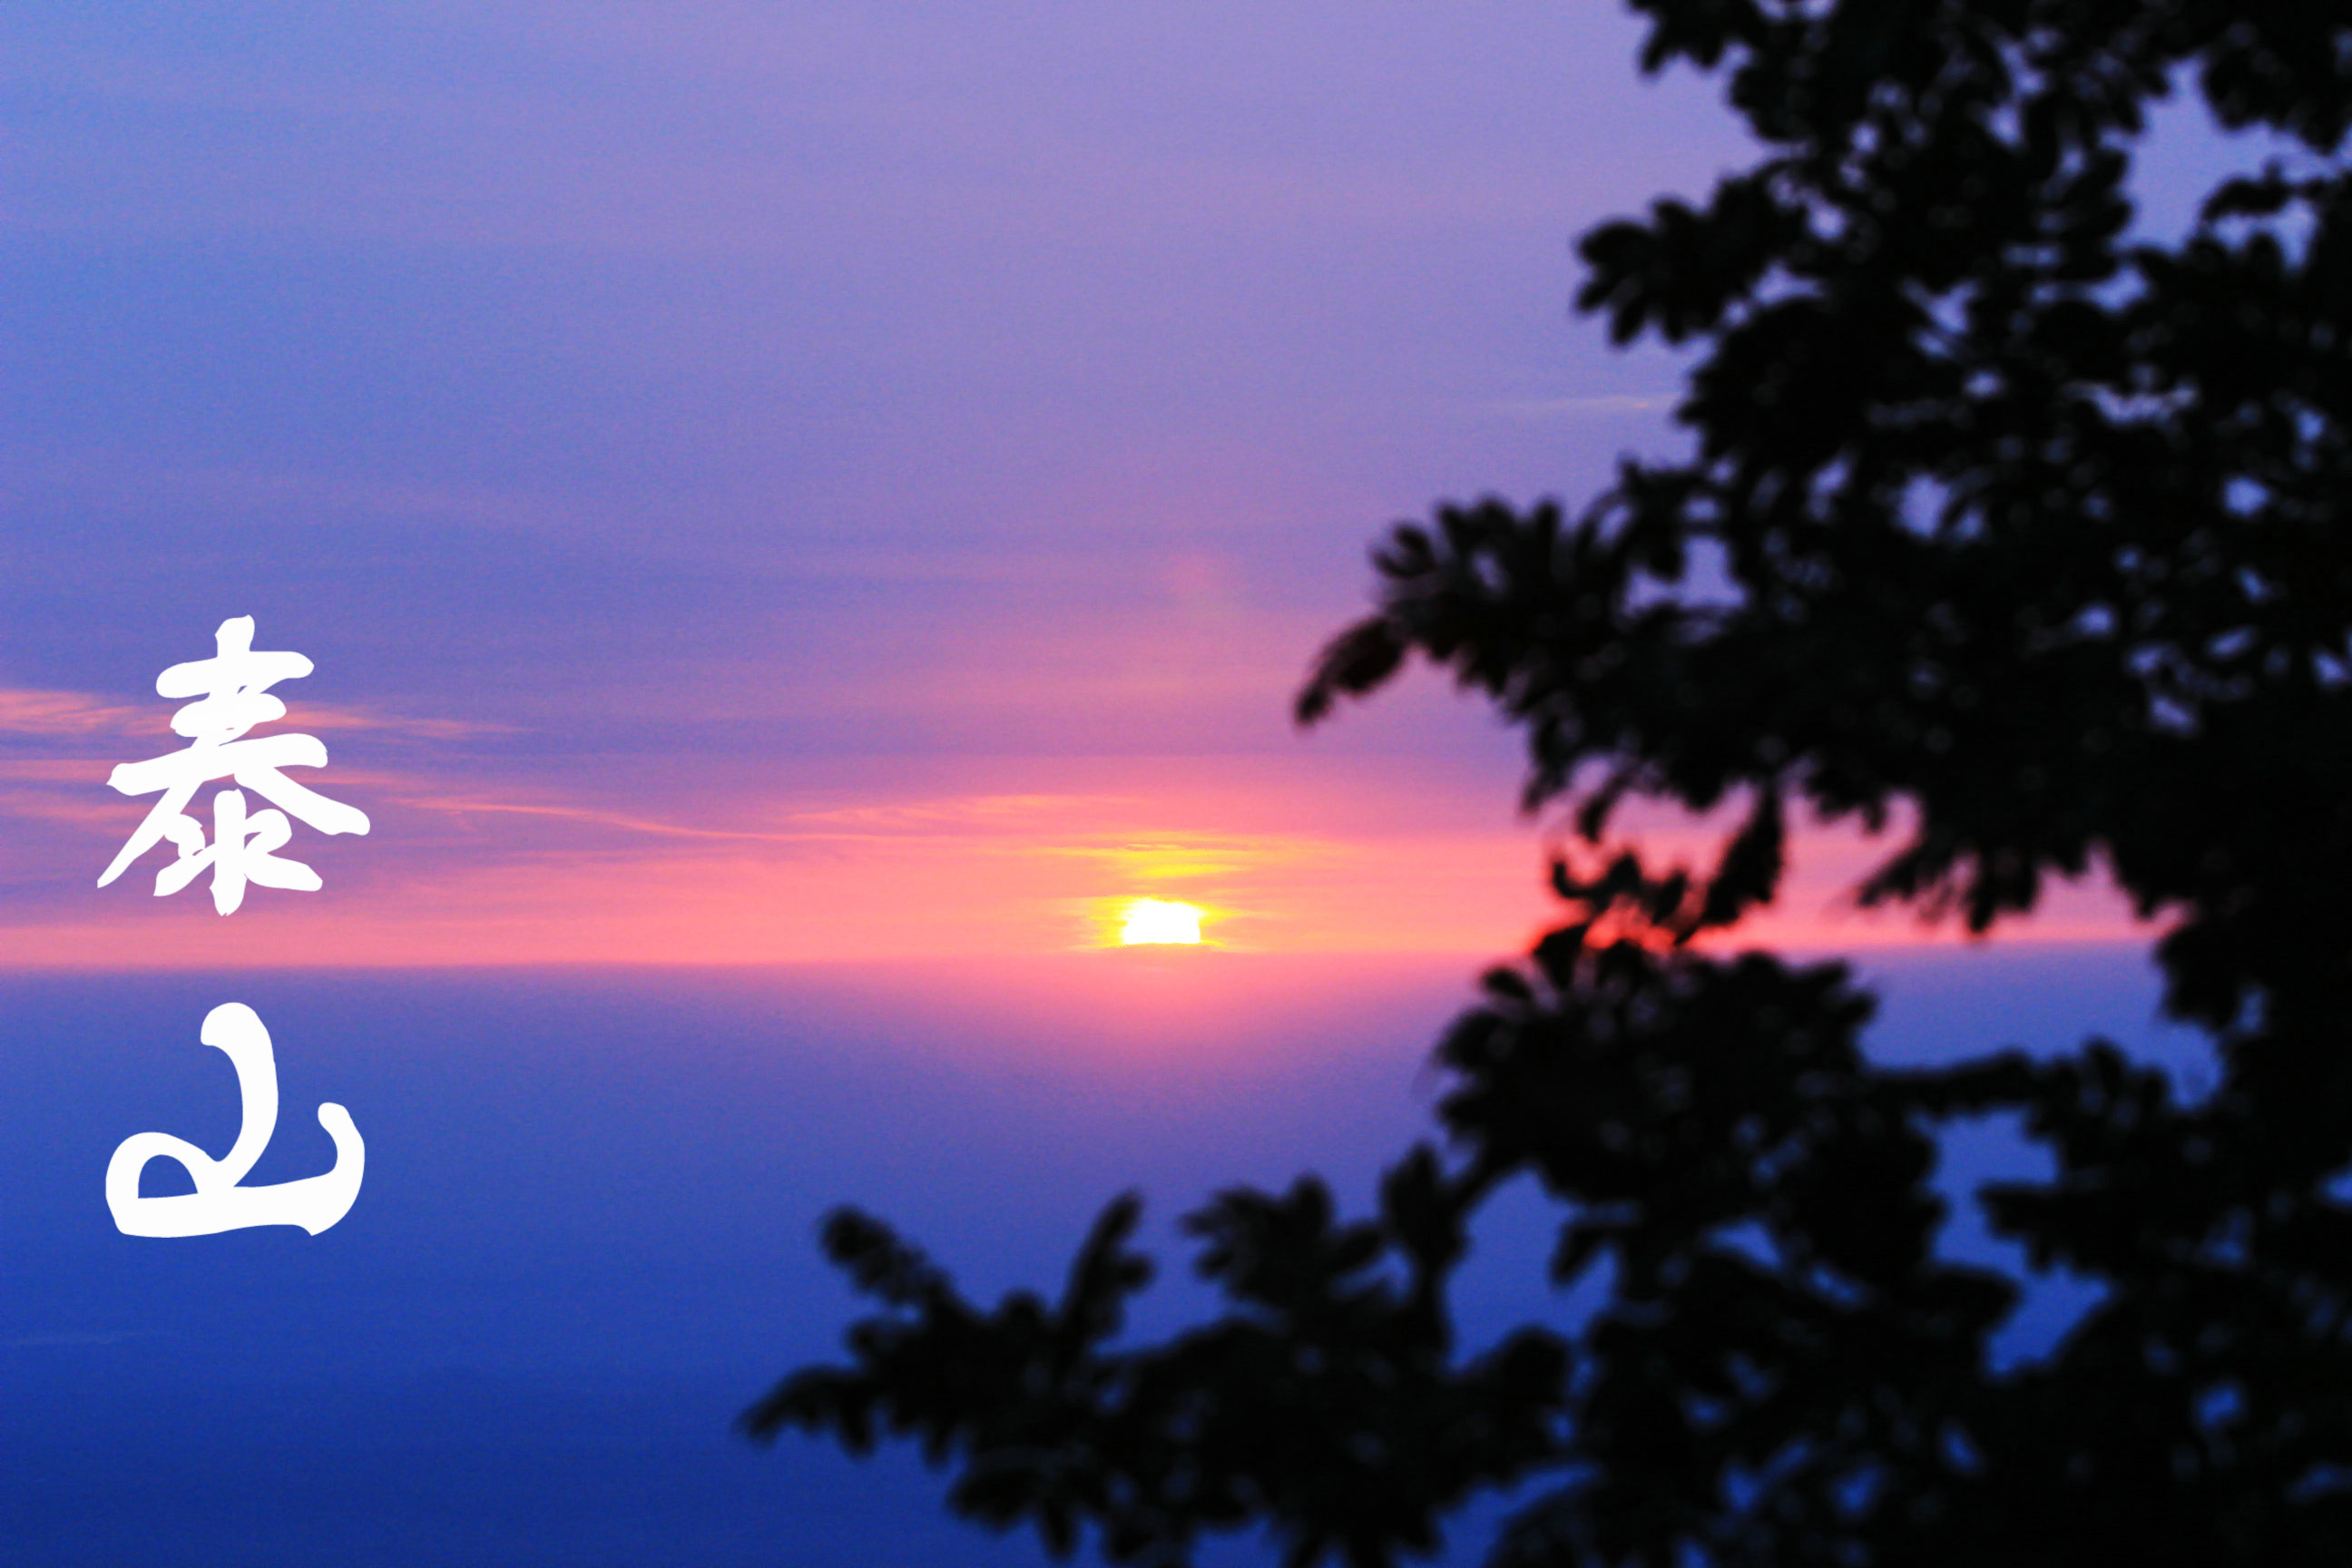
{"x":775,"y":482}
{"x":847,"y":489}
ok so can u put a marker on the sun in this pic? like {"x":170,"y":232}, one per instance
{"x":1160,"y":921}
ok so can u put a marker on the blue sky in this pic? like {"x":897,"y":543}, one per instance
{"x":586,"y":1237}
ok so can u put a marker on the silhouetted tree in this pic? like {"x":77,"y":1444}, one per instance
{"x":2029,"y":538}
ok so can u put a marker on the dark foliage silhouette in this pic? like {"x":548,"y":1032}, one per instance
{"x":2002,"y":533}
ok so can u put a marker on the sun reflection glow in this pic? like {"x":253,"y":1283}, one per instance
{"x":1160,"y":921}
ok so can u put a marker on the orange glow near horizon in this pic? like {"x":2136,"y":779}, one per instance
{"x":1282,"y":856}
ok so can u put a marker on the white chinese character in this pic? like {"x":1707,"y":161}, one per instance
{"x":220,"y":1202}
{"x":234,"y":688}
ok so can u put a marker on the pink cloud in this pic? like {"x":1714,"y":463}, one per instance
{"x":80,"y":715}
{"x":1297,"y":856}
{"x":74,"y":715}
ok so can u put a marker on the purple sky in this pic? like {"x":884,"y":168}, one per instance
{"x":770,"y":482}
{"x":733,"y":417}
